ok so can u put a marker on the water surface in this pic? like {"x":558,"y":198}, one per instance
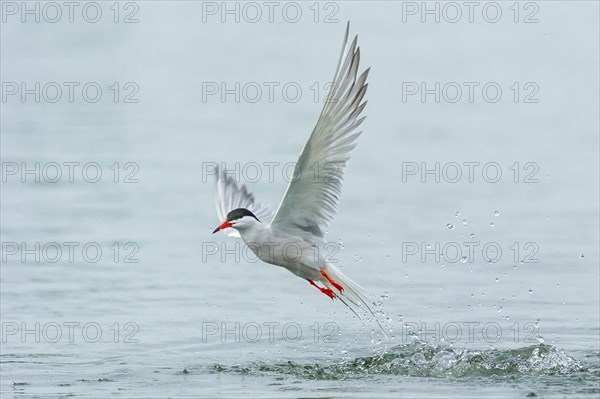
{"x":169,"y":310}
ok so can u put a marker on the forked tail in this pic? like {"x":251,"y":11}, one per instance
{"x":350,"y":294}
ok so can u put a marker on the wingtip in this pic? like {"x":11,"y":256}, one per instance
{"x":346,"y":34}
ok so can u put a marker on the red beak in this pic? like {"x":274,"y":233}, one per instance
{"x":223,"y":225}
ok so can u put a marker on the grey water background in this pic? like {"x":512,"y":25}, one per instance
{"x":178,"y":320}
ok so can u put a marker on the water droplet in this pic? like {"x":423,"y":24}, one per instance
{"x":496,"y":213}
{"x":497,"y":279}
{"x":531,"y":291}
{"x":464,"y":222}
{"x":472,"y":235}
{"x":492,"y":224}
{"x":540,"y":339}
{"x":499,"y":309}
{"x":581,"y":256}
{"x":456,"y":214}
{"x":450,"y":226}
{"x":463,"y":259}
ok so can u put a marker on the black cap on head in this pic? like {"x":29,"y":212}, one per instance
{"x":239,"y":213}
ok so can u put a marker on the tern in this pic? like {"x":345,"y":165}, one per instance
{"x":290,"y":237}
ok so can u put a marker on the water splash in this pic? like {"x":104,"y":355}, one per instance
{"x":420,"y":359}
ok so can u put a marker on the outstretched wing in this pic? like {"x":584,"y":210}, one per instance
{"x":230,"y":196}
{"x":312,"y":197}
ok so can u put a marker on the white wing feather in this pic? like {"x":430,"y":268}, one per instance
{"x":230,"y":196}
{"x":312,"y":197}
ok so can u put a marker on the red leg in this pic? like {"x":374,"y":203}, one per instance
{"x":325,"y":291}
{"x":336,"y":285}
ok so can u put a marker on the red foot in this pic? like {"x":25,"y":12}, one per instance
{"x":336,"y":285}
{"x":325,"y":291}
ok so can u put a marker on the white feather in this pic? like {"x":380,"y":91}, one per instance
{"x":311,"y":200}
{"x":230,"y":196}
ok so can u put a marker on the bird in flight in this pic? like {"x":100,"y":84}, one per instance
{"x":290,"y":237}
